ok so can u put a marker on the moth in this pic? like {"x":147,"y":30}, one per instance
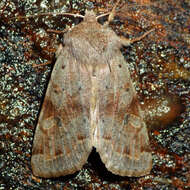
{"x":91,"y":102}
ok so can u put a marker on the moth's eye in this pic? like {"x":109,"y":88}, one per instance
{"x":63,"y":66}
{"x":107,"y":87}
{"x":119,"y":65}
{"x":63,"y":89}
{"x":80,"y":88}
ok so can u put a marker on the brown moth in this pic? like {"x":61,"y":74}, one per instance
{"x":91,"y":102}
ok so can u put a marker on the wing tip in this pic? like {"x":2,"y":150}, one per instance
{"x":133,"y":172}
{"x":130,"y":167}
{"x":54,"y":168}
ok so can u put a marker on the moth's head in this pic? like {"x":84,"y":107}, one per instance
{"x":90,"y":16}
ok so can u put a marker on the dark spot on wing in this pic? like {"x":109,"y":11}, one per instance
{"x":38,"y":149}
{"x":48,"y":108}
{"x":56,"y":88}
{"x":126,"y":150}
{"x":58,"y":152}
{"x":81,"y":137}
{"x":126,"y":119}
{"x":58,"y":121}
{"x":107,"y":137}
{"x":133,"y":108}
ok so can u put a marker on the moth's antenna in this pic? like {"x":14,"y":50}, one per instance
{"x":49,"y":14}
{"x":102,"y":15}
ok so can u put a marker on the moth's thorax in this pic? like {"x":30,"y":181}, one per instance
{"x":90,"y":16}
{"x":91,"y":42}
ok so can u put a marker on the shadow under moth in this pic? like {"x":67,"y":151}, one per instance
{"x":91,"y":102}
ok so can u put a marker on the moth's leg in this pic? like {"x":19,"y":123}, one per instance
{"x":58,"y":52}
{"x":112,"y":14}
{"x":58,"y":31}
{"x":126,"y":41}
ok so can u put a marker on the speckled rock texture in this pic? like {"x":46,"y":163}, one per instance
{"x":159,"y":66}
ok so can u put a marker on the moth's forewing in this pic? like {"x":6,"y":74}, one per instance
{"x":62,"y":139}
{"x":122,"y":137}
